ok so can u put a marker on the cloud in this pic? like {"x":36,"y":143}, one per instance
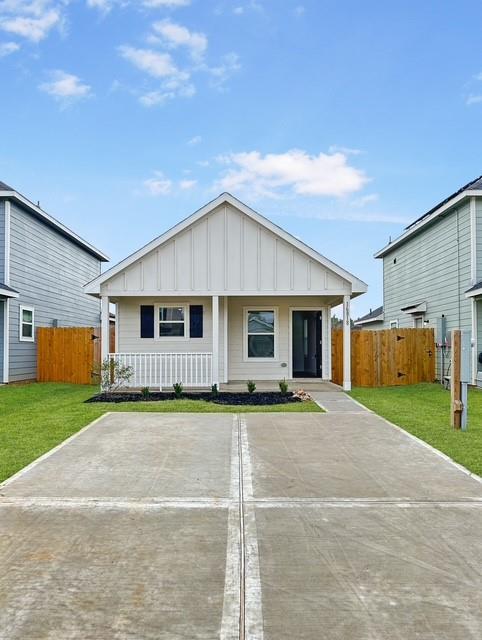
{"x":65,"y":87}
{"x":158,"y":65}
{"x":175,"y":35}
{"x":230,"y":64}
{"x":170,"y":4}
{"x":185,"y":185}
{"x":195,"y":140}
{"x":158,"y":185}
{"x":294,"y":171}
{"x":7,"y":48}
{"x":347,"y":151}
{"x":299,"y":10}
{"x":30,"y":20}
{"x":366,"y":199}
{"x":345,"y":214}
{"x":473,"y":99}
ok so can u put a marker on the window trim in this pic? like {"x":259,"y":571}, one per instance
{"x":394,"y":324}
{"x":275,"y":334}
{"x":419,"y":317}
{"x":21,"y":337}
{"x":157,"y":321}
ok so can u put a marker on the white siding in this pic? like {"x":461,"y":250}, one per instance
{"x":226,"y":251}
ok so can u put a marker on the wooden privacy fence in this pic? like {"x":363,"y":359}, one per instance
{"x":70,"y":354}
{"x":387,"y":357}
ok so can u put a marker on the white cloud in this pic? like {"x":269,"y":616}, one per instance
{"x":187,"y":184}
{"x":65,"y":87}
{"x":366,"y":199}
{"x":299,"y":10}
{"x":195,"y":140}
{"x":175,"y":35}
{"x":158,"y":65}
{"x":171,"y":4}
{"x":30,"y":21}
{"x":230,"y":64}
{"x":7,"y":48}
{"x":347,"y":151}
{"x":158,"y":185}
{"x":473,"y":99}
{"x":238,"y":11}
{"x":295,"y":171}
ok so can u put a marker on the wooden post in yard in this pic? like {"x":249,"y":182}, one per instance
{"x":456,"y":387}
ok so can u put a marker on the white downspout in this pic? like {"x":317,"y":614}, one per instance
{"x":473,"y":280}
{"x":6,"y":304}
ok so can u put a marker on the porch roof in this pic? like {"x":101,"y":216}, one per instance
{"x":7,"y":292}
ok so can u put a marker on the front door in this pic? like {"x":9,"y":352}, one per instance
{"x":306,"y":344}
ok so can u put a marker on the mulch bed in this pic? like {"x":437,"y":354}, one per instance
{"x":224,"y":397}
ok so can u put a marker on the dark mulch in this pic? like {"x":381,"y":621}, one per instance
{"x":224,"y":397}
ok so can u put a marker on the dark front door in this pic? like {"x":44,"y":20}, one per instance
{"x":306,"y":341}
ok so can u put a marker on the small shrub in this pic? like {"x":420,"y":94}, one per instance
{"x":178,"y":389}
{"x":145,"y":393}
{"x":214,"y":390}
{"x":283,"y":387}
{"x":251,"y":386}
{"x":114,"y":375}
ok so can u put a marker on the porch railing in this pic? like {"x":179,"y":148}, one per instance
{"x":162,"y":370}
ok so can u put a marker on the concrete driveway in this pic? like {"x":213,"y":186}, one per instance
{"x":265,"y":526}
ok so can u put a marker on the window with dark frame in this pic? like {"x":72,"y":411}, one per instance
{"x":172,"y":322}
{"x":261,"y":333}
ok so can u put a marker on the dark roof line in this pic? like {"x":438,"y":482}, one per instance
{"x":371,"y":315}
{"x":473,"y":185}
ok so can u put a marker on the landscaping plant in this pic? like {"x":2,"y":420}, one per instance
{"x":283,"y":387}
{"x":114,"y":375}
{"x":145,"y":393}
{"x":178,"y":389}
{"x":251,"y":386}
{"x":214,"y":390}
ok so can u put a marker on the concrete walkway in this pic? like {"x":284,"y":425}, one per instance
{"x":264,"y":526}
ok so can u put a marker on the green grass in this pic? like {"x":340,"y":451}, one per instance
{"x":424,"y":411}
{"x":36,"y":417}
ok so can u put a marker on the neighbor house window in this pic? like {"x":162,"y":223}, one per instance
{"x":260,"y":330}
{"x":172,"y":322}
{"x":418,"y":322}
{"x":393,"y":324}
{"x":26,"y":333}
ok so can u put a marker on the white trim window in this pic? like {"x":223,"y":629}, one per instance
{"x":394,"y":324}
{"x":418,"y":322}
{"x":261,"y":333}
{"x":26,"y":331}
{"x":172,"y":321}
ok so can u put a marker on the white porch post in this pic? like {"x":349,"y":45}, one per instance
{"x":215,"y":314}
{"x":104,"y":329}
{"x":346,"y":344}
{"x":326,"y":343}
{"x":226,"y":343}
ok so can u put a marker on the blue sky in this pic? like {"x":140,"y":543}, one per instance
{"x":340,"y":121}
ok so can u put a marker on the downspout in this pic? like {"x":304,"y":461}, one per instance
{"x":473,"y":281}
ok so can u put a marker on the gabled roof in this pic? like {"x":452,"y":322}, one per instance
{"x":472,"y":188}
{"x":373,"y":316}
{"x":8,"y":193}
{"x":358,"y":286}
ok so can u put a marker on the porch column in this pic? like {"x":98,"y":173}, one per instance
{"x":104,"y":328}
{"x":346,"y":344}
{"x":226,"y":343}
{"x":215,"y":316}
{"x":326,"y":343}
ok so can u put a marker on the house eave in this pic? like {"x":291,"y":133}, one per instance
{"x":359,"y":323}
{"x":53,"y":222}
{"x":425,"y":221}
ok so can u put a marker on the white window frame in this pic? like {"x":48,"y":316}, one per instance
{"x":157,"y":333}
{"x":415,"y":318}
{"x":394,"y":324}
{"x":22,"y":338}
{"x":265,"y":307}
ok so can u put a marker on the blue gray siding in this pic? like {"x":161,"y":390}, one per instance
{"x":433,"y":267}
{"x":49,"y":271}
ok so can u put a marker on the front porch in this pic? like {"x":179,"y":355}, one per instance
{"x":231,"y":340}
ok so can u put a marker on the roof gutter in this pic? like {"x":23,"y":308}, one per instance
{"x":50,"y":220}
{"x":417,"y":227}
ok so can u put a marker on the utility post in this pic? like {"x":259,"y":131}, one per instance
{"x":461,"y":376}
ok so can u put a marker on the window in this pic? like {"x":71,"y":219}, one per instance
{"x":26,"y":332}
{"x":418,"y":322}
{"x":260,"y":329}
{"x":393,"y":324}
{"x":171,"y":322}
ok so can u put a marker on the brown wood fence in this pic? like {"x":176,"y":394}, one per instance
{"x":69,"y":354}
{"x":387,"y":357}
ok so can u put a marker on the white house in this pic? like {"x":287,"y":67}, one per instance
{"x":225,"y":295}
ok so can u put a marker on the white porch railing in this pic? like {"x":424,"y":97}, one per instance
{"x":162,"y":370}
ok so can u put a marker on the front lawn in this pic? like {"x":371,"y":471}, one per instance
{"x":424,"y":411}
{"x":36,"y":417}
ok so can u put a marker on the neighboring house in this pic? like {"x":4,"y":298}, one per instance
{"x":432,"y":273}
{"x":225,"y":295}
{"x":43,"y":267}
{"x":372,"y":320}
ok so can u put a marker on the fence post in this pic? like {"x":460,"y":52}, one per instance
{"x":455,"y":387}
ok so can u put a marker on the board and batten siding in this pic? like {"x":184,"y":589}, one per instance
{"x":433,"y":267}
{"x":226,"y":251}
{"x":49,"y":271}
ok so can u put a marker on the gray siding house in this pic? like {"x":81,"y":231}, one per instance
{"x":43,"y":267}
{"x":432,"y":274}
